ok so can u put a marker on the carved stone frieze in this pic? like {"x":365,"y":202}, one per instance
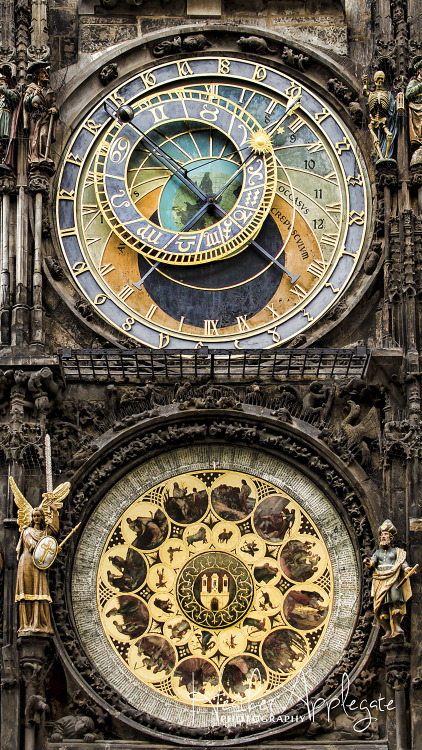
{"x":26,"y":394}
{"x":350,"y":437}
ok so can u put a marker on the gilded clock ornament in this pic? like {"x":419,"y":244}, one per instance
{"x":212,"y":201}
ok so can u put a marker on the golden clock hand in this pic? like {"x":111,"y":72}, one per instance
{"x":126,"y":116}
{"x":292,"y":105}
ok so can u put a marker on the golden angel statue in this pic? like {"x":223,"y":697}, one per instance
{"x":35,"y":555}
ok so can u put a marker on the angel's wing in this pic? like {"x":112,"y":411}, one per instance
{"x":24,"y":508}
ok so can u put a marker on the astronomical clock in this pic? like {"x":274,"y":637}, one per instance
{"x":212,"y":201}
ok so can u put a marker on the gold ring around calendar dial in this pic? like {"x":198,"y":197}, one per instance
{"x":149,"y":198}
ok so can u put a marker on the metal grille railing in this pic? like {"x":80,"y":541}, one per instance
{"x":122,"y":365}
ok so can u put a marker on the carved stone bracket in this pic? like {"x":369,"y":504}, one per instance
{"x":37,"y":55}
{"x":34,"y":664}
{"x":7,"y":60}
{"x":397,"y":661}
{"x":386,"y":173}
{"x":39,"y":178}
{"x":279,"y":439}
{"x":7,"y":180}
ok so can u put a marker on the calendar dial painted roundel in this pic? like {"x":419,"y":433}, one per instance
{"x":230,"y":208}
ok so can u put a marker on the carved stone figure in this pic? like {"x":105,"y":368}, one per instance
{"x":193,"y":43}
{"x":108,"y":73}
{"x":390,"y":587}
{"x":73,"y":728}
{"x":318,"y":400}
{"x":294,"y":60}
{"x":255,"y":44}
{"x":414,"y":99}
{"x":39,"y":117}
{"x":8,"y":102}
{"x":350,"y":436}
{"x":35,"y":524}
{"x":382,"y":115}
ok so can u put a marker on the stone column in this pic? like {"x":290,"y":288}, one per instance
{"x":397,"y":672}
{"x":38,"y":186}
{"x":7,"y":186}
{"x":33,"y":661}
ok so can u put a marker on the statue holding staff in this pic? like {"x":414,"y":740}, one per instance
{"x":40,"y":114}
{"x":390,"y":584}
{"x":413,"y":97}
{"x":9,"y":100}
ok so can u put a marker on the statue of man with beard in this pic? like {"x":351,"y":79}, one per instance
{"x":390,"y":584}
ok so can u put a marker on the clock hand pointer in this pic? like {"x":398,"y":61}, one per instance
{"x":218,"y":195}
{"x":126,"y":116}
{"x":292,"y":276}
{"x":292,"y":105}
{"x":185,"y":228}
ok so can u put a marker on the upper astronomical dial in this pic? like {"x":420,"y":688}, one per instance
{"x":202,"y":134}
{"x":231,"y":210}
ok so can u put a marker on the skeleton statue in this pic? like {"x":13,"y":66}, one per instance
{"x":382,"y":115}
{"x":36,"y":525}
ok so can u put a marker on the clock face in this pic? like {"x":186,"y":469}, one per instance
{"x":203,"y":589}
{"x":226,"y":207}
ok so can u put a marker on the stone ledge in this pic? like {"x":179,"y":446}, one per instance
{"x":138,"y":745}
